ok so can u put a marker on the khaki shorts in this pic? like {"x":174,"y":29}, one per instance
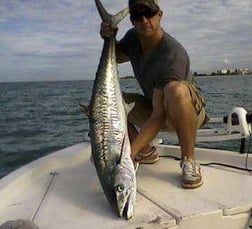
{"x":143,"y":108}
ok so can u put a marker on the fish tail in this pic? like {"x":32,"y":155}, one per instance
{"x":111,"y":19}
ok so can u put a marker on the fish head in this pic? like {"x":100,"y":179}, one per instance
{"x":125,"y":191}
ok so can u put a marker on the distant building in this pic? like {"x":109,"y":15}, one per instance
{"x":240,"y":71}
{"x":222,"y":72}
{"x":226,"y":71}
{"x":244,"y":71}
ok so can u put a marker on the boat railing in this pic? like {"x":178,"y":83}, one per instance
{"x":235,"y":125}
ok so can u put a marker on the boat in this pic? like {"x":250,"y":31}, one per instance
{"x":62,"y":190}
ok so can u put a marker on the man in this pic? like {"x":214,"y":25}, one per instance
{"x":171,"y":102}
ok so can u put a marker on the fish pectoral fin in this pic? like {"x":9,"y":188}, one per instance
{"x":122,"y":151}
{"x":125,"y":151}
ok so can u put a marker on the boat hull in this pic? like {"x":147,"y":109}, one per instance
{"x":62,"y":191}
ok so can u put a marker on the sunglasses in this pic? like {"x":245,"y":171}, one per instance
{"x":138,"y":16}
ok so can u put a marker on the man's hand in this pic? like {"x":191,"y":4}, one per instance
{"x":108,"y":30}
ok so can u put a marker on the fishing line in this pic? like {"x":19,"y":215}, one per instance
{"x":53,"y":175}
{"x":220,"y":164}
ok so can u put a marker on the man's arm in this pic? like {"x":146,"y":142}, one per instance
{"x":153,"y":124}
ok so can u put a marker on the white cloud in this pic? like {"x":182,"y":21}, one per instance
{"x":61,"y":38}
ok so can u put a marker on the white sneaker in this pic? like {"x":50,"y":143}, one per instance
{"x":191,"y":175}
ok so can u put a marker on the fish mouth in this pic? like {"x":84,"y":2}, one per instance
{"x":125,"y":207}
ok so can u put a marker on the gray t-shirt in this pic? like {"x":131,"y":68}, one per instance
{"x":168,"y":61}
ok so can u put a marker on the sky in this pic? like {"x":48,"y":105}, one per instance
{"x":59,"y":39}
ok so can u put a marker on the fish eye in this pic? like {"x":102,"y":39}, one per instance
{"x":120,"y":188}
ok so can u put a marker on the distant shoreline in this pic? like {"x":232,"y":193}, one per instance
{"x":121,"y":77}
{"x":199,"y":75}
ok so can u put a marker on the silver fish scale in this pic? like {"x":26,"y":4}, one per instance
{"x":108,"y":128}
{"x":108,"y":111}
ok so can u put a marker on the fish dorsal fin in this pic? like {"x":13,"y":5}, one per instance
{"x":106,"y":17}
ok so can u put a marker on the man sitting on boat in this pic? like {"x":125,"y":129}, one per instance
{"x":171,"y":102}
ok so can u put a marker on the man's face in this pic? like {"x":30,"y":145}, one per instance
{"x":145,"y":20}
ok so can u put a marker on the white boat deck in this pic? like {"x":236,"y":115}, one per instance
{"x":62,"y":191}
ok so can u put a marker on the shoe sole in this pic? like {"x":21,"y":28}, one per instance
{"x":192,"y":186}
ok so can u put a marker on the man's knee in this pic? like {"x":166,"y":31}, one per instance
{"x":176,"y":91}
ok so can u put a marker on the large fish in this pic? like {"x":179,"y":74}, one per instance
{"x":108,"y":128}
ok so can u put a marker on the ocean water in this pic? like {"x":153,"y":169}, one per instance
{"x":38,"y":118}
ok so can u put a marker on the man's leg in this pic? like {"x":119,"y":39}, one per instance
{"x":132,"y":132}
{"x":182,"y":114}
{"x":148,"y":155}
{"x":140,"y":113}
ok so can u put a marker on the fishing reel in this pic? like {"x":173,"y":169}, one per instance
{"x":239,"y":121}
